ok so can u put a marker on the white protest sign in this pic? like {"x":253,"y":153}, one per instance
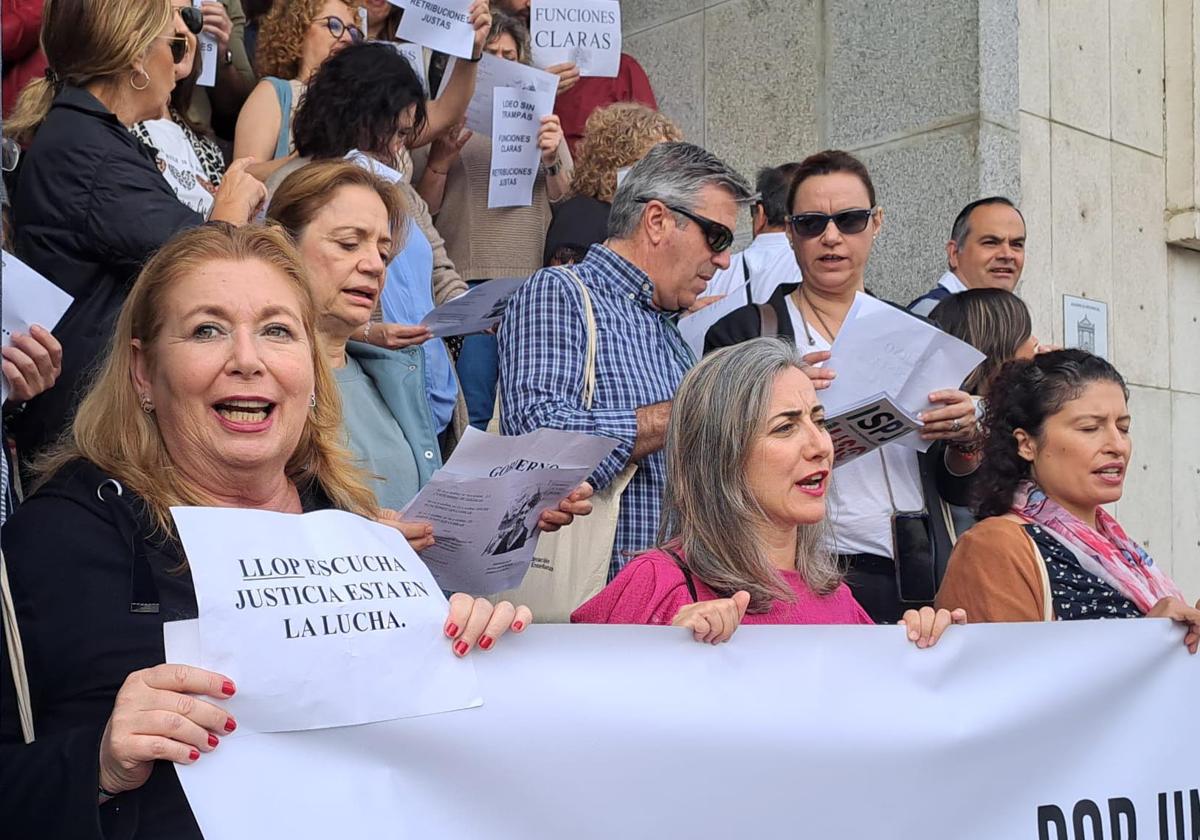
{"x":479,"y":309}
{"x":882,"y":349}
{"x":442,"y":25}
{"x":999,"y":732}
{"x":514,"y":166}
{"x":586,"y":33}
{"x":26,"y":298}
{"x":415,"y":54}
{"x":206,"y":54}
{"x":485,"y":503}
{"x":497,"y":72}
{"x":866,"y":427}
{"x":322,"y":619}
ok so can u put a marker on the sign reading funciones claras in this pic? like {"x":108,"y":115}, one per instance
{"x":586,"y":33}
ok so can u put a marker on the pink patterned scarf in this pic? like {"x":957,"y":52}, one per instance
{"x":1106,"y":552}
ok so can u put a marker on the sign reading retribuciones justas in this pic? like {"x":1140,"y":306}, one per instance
{"x":206,"y":54}
{"x":443,"y":25}
{"x":586,"y":33}
{"x":322,"y":619}
{"x":515,"y":126}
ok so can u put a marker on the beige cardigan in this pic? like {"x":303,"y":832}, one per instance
{"x":485,"y":244}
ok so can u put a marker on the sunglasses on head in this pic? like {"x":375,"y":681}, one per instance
{"x":193,"y":19}
{"x":338,"y":27}
{"x":718,"y":237}
{"x":179,"y":47}
{"x":809,"y":225}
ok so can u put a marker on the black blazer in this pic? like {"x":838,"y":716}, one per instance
{"x":89,"y":209}
{"x":78,"y":564}
{"x":938,"y":484}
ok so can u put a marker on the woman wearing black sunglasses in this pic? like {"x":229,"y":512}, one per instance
{"x":90,"y":205}
{"x":879,"y":505}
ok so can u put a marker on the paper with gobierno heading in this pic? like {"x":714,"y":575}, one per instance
{"x":479,"y":309}
{"x":484,"y":504}
{"x":321,"y":619}
{"x":882,"y":349}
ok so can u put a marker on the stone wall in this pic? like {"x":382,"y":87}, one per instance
{"x":1059,"y":104}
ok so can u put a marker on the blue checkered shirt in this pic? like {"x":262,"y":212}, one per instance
{"x":640,"y":360}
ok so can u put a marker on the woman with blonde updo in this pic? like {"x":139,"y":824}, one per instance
{"x":90,"y":205}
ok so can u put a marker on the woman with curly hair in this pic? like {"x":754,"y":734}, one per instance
{"x":1057,"y":448}
{"x":294,"y":40}
{"x":616,"y":137}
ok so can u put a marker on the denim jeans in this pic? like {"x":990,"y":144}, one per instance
{"x":478,"y":369}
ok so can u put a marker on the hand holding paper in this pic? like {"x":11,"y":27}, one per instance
{"x":586,"y":33}
{"x":325,"y":619}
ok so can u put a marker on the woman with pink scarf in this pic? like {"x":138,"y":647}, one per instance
{"x":1058,"y":448}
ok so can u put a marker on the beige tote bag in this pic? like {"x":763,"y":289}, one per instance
{"x":571,"y":565}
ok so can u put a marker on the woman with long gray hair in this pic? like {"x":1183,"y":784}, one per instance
{"x":743,"y":521}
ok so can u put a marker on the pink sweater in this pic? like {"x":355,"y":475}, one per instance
{"x":651,"y":589}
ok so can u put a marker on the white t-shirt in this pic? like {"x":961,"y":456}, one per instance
{"x":179,"y":164}
{"x":860,"y":509}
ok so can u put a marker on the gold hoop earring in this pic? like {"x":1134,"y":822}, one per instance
{"x":145,"y":76}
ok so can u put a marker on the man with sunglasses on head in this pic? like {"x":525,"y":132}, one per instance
{"x":670,"y":229}
{"x":986,"y":251}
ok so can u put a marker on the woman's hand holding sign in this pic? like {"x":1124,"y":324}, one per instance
{"x":157,"y":715}
{"x":475,"y":622}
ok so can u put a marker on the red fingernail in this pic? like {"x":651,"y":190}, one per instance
{"x":486,"y":642}
{"x":460,"y":647}
{"x":194,"y":755}
{"x":451,"y":630}
{"x":518,"y":626}
{"x":230,"y":724}
{"x":227,"y":688}
{"x":213,"y":740}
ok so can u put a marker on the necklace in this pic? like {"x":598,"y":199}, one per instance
{"x":800,"y":299}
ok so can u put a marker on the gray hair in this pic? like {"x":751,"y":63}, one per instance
{"x":708,"y":508}
{"x":673,"y":173}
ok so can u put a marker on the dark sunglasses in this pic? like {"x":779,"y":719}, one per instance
{"x":718,"y":237}
{"x":809,"y":225}
{"x":193,"y":19}
{"x":179,"y":47}
{"x":338,"y":27}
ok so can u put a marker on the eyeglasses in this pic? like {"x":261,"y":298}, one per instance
{"x":193,"y":18}
{"x":809,"y":225}
{"x":718,"y":237}
{"x":338,"y":27}
{"x":179,"y":47}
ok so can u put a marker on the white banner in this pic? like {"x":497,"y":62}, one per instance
{"x":1000,"y":732}
{"x":497,"y":73}
{"x":586,"y":33}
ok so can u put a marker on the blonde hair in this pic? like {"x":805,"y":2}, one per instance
{"x":708,"y":508}
{"x":86,"y":41}
{"x":114,"y":433}
{"x":281,"y":36}
{"x":614,"y":137}
{"x":304,"y":192}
